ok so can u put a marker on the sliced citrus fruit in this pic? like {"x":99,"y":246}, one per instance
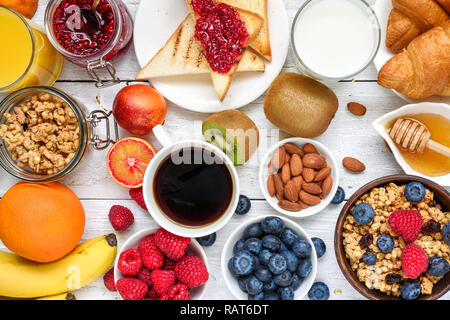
{"x":127,"y":160}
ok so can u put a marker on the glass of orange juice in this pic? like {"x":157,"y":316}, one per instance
{"x":27,"y":58}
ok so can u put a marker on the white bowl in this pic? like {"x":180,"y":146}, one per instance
{"x":264,"y":175}
{"x":237,"y":234}
{"x":379,"y":124}
{"x":194,"y":248}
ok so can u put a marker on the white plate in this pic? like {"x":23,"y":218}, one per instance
{"x":382,"y":9}
{"x":156,"y":20}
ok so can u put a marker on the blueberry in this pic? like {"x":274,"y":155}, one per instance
{"x":291,"y":260}
{"x":339,"y":196}
{"x":208,"y":240}
{"x":392,"y":278}
{"x":414,"y":191}
{"x":272,"y":225}
{"x":243,"y":263}
{"x":302,"y":249}
{"x":271,"y":242}
{"x":242,"y":283}
{"x":263,"y":274}
{"x":230,"y":267}
{"x":238,"y":246}
{"x":254,"y":285}
{"x":369,"y":258}
{"x":289,"y":237}
{"x":264,"y":257}
{"x":437,"y":266}
{"x":446,"y":233}
{"x":253,"y":245}
{"x":363,"y":213}
{"x":270,"y":285}
{"x":259,"y":296}
{"x":271,"y":296}
{"x":296,"y":281}
{"x":320,"y":246}
{"x":410,"y":290}
{"x":283,"y":247}
{"x":277,"y":264}
{"x":304,"y":267}
{"x":286,"y":293}
{"x":319,"y":291}
{"x":385,"y":243}
{"x":283,"y":279}
{"x":253,"y":231}
{"x":243,"y":205}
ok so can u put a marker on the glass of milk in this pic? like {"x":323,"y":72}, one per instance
{"x":334,"y":39}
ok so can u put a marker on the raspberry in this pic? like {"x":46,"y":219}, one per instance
{"x":191,"y":271}
{"x":136,"y":195}
{"x":132,"y":289}
{"x":172,"y":245}
{"x":147,"y":243}
{"x":414,"y":261}
{"x":130,"y":262}
{"x":146,"y":276}
{"x":108,"y":280}
{"x":163,"y":280}
{"x":169,"y":264}
{"x":406,"y":224}
{"x":120,"y":217}
{"x":152,"y":258}
{"x":177,"y":292}
{"x":153,"y":295}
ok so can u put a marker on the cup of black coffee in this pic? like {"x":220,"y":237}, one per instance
{"x":191,"y":187}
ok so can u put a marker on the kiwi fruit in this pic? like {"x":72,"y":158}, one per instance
{"x":299,"y":105}
{"x":234,"y":133}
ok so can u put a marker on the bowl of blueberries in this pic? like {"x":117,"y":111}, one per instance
{"x":271,"y":258}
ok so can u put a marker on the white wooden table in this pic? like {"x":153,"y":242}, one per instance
{"x":347,"y":135}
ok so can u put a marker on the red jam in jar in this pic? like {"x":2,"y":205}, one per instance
{"x":81,"y":35}
{"x":221,"y":32}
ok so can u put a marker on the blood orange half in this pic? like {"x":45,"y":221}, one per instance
{"x":127,"y":160}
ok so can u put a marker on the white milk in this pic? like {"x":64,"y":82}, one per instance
{"x":335,"y":38}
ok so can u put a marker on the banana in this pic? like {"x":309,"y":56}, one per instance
{"x":61,"y":296}
{"x":22,"y":278}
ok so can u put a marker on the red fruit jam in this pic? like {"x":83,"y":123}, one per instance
{"x":77,"y":33}
{"x":222,"y":33}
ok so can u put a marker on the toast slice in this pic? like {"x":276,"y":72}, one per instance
{"x":183,"y":55}
{"x":261,"y":42}
{"x":253,"y":23}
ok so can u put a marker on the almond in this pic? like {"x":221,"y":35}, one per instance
{"x":298,"y":181}
{"x":279,"y":187}
{"x":289,"y":205}
{"x":322,"y":174}
{"x":309,"y":199}
{"x":278,"y":158}
{"x":326,"y":186}
{"x":356,"y":108}
{"x":290,"y":191}
{"x":293,"y":149}
{"x":353,"y":165}
{"x":280,"y":197}
{"x":271,"y":186}
{"x":287,"y":158}
{"x":309,"y":148}
{"x":312,"y":188}
{"x":313,"y":160}
{"x":296,"y":165}
{"x":308,"y":174}
{"x":302,"y":204}
{"x":286,"y":173}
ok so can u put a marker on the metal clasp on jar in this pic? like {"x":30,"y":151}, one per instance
{"x":91,"y":68}
{"x":94,"y":119}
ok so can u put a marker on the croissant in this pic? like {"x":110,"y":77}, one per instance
{"x":410,"y":18}
{"x":423,"y":68}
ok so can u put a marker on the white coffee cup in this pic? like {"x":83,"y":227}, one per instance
{"x":149,"y":198}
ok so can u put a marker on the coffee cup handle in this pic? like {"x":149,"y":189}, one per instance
{"x":161,"y":135}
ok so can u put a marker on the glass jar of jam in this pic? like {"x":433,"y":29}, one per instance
{"x":90,"y":38}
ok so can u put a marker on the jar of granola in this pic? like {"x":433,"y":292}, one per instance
{"x":45,"y":133}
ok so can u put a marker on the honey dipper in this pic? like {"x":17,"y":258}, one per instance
{"x":413,"y":136}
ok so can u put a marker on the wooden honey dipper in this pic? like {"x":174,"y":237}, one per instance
{"x":413,"y":136}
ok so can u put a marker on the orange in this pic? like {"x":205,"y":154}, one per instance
{"x":41,"y":222}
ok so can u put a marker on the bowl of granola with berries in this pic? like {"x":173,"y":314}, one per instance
{"x":392,"y":239}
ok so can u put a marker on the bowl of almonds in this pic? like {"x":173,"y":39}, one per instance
{"x":298,"y":177}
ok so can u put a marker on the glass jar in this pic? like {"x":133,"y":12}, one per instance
{"x":87,"y":124}
{"x":90,"y":41}
{"x":26,"y":56}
